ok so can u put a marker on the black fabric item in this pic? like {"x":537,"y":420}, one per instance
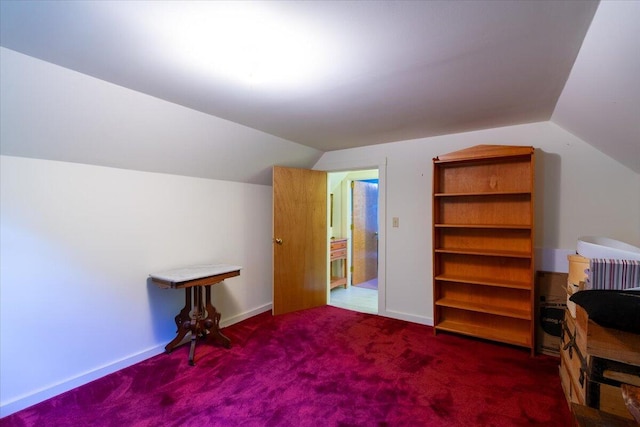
{"x":611,"y":309}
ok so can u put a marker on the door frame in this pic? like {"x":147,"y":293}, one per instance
{"x":381,"y":165}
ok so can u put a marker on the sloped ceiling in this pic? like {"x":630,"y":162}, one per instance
{"x":601,"y":100}
{"x":378,"y":71}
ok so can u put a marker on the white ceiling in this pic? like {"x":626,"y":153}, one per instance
{"x":356,"y":72}
{"x":601,"y":100}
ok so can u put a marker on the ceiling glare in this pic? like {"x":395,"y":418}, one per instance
{"x":242,"y":42}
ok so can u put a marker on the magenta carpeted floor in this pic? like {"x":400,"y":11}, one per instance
{"x":321,"y":367}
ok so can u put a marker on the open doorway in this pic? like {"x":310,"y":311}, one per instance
{"x":353,"y":225}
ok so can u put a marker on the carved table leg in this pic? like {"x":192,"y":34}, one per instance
{"x":192,"y":319}
{"x":192,"y":350}
{"x":196,"y":322}
{"x":212,"y":321}
{"x":183,"y":322}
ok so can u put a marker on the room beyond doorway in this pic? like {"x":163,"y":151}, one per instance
{"x":354,"y":217}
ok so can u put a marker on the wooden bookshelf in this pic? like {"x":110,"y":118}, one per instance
{"x":483,"y":228}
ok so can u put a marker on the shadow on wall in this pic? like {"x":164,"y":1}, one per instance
{"x":547,"y":199}
{"x":164,"y":305}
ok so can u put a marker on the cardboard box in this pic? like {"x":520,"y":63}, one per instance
{"x":578,"y":273}
{"x":551,"y":303}
{"x":578,"y":268}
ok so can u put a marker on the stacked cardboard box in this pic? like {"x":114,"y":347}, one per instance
{"x":578,"y":274}
{"x":551,"y":302}
{"x":596,"y":361}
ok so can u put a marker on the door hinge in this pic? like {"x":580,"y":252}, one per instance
{"x":352,"y":226}
{"x":351,"y":269}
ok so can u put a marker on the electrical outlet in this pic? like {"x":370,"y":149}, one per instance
{"x":396,"y":222}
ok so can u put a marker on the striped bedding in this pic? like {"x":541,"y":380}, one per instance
{"x":613,"y":274}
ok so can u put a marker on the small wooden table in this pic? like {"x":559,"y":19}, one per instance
{"x":338,"y":253}
{"x":198,"y":316}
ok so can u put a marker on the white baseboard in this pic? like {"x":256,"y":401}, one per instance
{"x":422,"y":320}
{"x":22,"y":402}
{"x":554,"y":260}
{"x":244,"y":316}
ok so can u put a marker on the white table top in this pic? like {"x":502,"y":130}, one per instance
{"x":193,"y":272}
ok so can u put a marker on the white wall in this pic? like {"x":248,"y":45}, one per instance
{"x":600,"y":103}
{"x":338,"y":229}
{"x":579,"y":191}
{"x":77,"y":245}
{"x":53,"y":113}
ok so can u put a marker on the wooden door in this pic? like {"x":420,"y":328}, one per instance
{"x":300,"y":239}
{"x":365,"y":231}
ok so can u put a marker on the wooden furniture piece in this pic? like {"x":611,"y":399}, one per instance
{"x":338,"y":255}
{"x":198,"y":316}
{"x":584,"y":416}
{"x":596,"y":361}
{"x":631,"y":396}
{"x":483,"y":274}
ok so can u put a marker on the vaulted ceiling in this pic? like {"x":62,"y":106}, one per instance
{"x":340,"y":74}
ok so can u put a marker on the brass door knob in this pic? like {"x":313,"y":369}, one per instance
{"x":278,"y":241}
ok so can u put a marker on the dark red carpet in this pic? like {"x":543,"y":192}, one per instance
{"x":321,"y":367}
